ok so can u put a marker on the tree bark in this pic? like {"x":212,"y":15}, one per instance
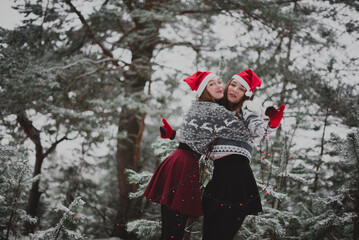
{"x":34,"y":194}
{"x":320,"y":162}
{"x":283,"y":96}
{"x":125,"y":159}
{"x":131,"y":120}
{"x":134,"y":202}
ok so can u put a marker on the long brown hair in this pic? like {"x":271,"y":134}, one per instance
{"x":235,"y":107}
{"x":206,"y":97}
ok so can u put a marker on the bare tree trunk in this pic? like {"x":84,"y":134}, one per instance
{"x":135,"y":202}
{"x":34,"y":194}
{"x":283,"y":96}
{"x":125,"y":159}
{"x":128,"y":150}
{"x":320,"y":162}
{"x":132,"y":120}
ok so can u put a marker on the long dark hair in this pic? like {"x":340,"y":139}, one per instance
{"x":235,"y":107}
{"x":206,"y":97}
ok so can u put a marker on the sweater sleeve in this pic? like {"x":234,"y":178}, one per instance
{"x":255,"y":124}
{"x":176,"y":138}
{"x":259,"y":127}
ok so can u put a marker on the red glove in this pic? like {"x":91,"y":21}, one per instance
{"x":167,"y":131}
{"x":275,"y":115}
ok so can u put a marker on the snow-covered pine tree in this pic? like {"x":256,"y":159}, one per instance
{"x":90,"y":177}
{"x":39,"y":101}
{"x":312,"y":95}
{"x":61,"y":99}
{"x":140,"y":36}
{"x":71,"y":59}
{"x":270,"y":165}
{"x":62,"y":230}
{"x":335,"y":214}
{"x":15,"y":182}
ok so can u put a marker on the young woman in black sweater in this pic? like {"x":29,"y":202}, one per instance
{"x":232,"y":193}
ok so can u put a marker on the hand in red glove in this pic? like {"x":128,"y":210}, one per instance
{"x":167,"y":131}
{"x":275,"y":115}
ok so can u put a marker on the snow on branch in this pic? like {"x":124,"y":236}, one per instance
{"x":145,"y":229}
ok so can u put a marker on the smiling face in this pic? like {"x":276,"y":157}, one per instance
{"x":215,"y":88}
{"x":235,"y":92}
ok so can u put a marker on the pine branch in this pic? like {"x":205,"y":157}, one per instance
{"x":356,"y":220}
{"x":88,"y":74}
{"x":108,"y":230}
{"x":169,"y":44}
{"x":83,"y":60}
{"x":105,"y":3}
{"x":14,"y":205}
{"x":90,"y":33}
{"x":320,"y":161}
{"x":128,"y":4}
{"x":205,"y":11}
{"x":29,"y":129}
{"x":120,"y":26}
{"x":125,"y":34}
{"x":53,"y":146}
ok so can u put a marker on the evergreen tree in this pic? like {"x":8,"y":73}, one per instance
{"x":138,"y":27}
{"x":335,"y":214}
{"x":72,"y":214}
{"x":45,"y":89}
{"x":88,"y":72}
{"x":15,"y":181}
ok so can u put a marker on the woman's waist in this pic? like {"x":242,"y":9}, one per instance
{"x":230,"y":168}
{"x":227,"y":145}
{"x":185,"y":147}
{"x":231,"y":162}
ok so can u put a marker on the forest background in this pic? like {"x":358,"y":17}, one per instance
{"x":84,"y":85}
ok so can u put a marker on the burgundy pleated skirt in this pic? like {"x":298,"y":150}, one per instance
{"x":175,"y":183}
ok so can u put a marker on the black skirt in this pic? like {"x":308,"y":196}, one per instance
{"x":232,"y":189}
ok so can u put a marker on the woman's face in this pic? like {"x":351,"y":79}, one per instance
{"x":215,"y":88}
{"x":235,"y":92}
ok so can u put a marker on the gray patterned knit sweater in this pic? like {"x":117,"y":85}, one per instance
{"x":259,"y":129}
{"x":206,"y":121}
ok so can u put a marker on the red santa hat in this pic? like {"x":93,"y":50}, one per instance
{"x":199,"y":80}
{"x":249,"y":80}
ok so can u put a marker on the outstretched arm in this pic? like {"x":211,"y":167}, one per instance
{"x":166,"y":130}
{"x":275,"y":115}
{"x":261,"y":127}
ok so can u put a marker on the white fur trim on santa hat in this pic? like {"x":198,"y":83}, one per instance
{"x":204,"y":82}
{"x":244,"y":84}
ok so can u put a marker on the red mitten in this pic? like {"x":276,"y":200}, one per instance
{"x":275,"y":115}
{"x":167,"y":131}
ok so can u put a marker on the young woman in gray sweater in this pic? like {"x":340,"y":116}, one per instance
{"x":175,"y":183}
{"x":232,"y":193}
